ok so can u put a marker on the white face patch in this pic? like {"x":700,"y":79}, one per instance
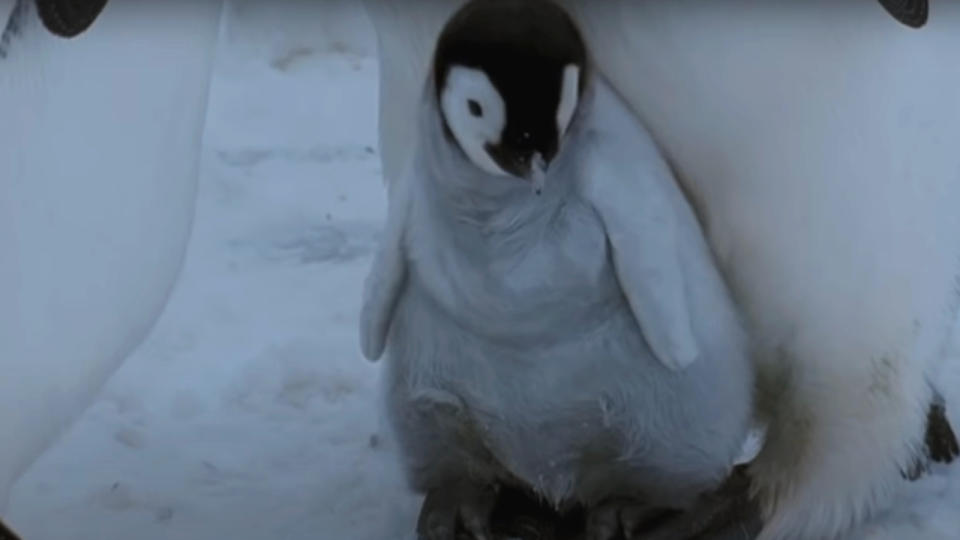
{"x":476,"y":114}
{"x":568,"y":97}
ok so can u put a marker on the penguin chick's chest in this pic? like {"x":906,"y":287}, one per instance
{"x":527,"y":334}
{"x":545,"y":278}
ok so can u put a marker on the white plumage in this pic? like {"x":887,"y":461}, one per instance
{"x":99,"y":149}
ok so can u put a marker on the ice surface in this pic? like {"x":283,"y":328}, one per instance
{"x":249,"y":413}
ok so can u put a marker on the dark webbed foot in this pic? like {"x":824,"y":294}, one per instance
{"x":623,"y":519}
{"x":458,"y":511}
{"x":521,"y":515}
{"x":726,"y":514}
{"x":464,"y":512}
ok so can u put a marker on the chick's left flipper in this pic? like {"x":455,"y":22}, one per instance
{"x":387,"y":277}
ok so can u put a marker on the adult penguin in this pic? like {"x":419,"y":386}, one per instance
{"x":100,"y":146}
{"x":818,"y":142}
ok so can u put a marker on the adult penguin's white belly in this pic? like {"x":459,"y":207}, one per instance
{"x":99,"y":150}
{"x":820,"y":144}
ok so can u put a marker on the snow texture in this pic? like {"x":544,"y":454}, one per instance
{"x":249,"y":413}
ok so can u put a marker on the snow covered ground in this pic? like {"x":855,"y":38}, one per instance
{"x":249,"y":412}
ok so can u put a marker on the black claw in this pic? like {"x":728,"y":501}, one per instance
{"x":69,"y":18}
{"x":6,"y":533}
{"x":941,"y":442}
{"x":913,"y":13}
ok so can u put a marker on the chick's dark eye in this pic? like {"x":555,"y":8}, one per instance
{"x":475,"y":108}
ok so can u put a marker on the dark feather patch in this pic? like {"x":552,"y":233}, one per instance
{"x":6,"y":533}
{"x":913,"y":13}
{"x":523,"y":46}
{"x":69,"y":18}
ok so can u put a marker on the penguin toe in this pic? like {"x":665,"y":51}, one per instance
{"x":457,"y":511}
{"x":729,"y":513}
{"x":623,"y":519}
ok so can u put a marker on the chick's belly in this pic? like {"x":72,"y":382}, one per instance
{"x":543,"y":412}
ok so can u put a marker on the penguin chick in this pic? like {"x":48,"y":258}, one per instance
{"x":551,"y":312}
{"x":848,"y":309}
